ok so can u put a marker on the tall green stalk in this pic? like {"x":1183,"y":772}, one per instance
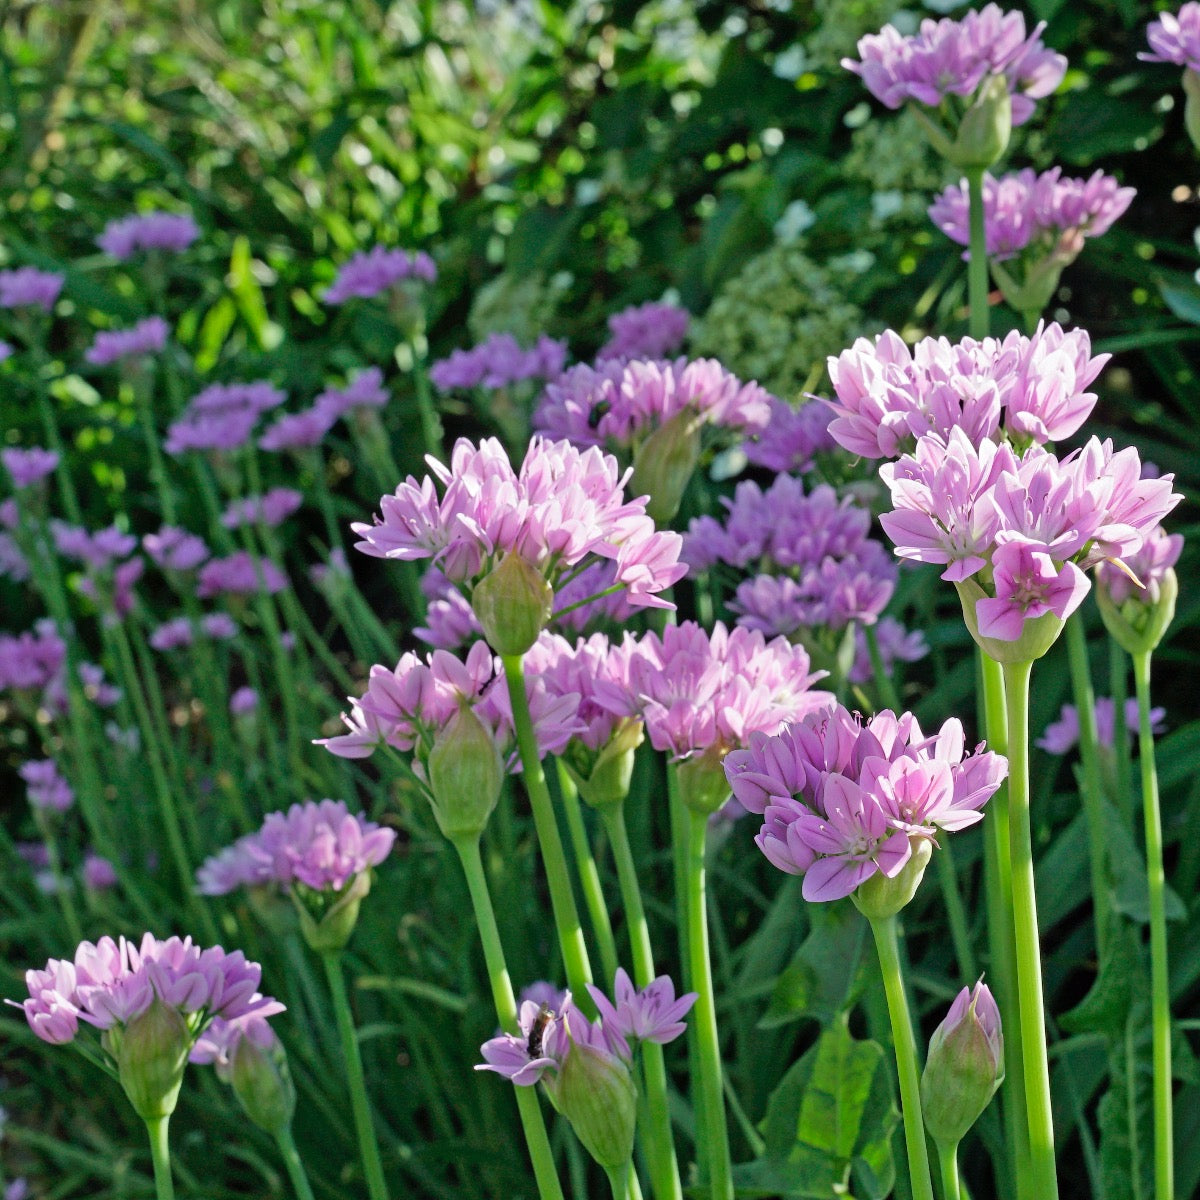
{"x":528,"y":1106}
{"x":1118,"y":686}
{"x":977,"y":264}
{"x":658,"y":1141}
{"x":160,"y":1154}
{"x":888,"y":946}
{"x":562,"y":898}
{"x":589,"y":874}
{"x":948,"y":1157}
{"x":714,"y":1128}
{"x":294,"y":1164}
{"x":1089,"y":755}
{"x":1160,"y":990}
{"x":368,"y":1145}
{"x":1039,"y":1117}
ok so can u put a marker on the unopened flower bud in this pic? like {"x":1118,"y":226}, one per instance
{"x":1041,"y":281}
{"x":465,"y":773}
{"x":596,"y":1093}
{"x":327,"y":919}
{"x":1138,"y":623}
{"x":703,"y":784}
{"x":603,"y":778}
{"x":965,"y":1066}
{"x":1191,"y":108}
{"x":512,"y":604}
{"x":261,"y":1079}
{"x":663,"y":465}
{"x":880,"y":897}
{"x":985,"y":128}
{"x":151,"y":1053}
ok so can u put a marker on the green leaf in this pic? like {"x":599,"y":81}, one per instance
{"x":1106,"y":1006}
{"x":830,"y":1120}
{"x":823,"y":977}
{"x":1183,"y":299}
{"x":248,"y":294}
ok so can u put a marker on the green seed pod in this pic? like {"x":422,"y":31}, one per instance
{"x":512,"y":604}
{"x":151,"y":1053}
{"x":466,"y":773}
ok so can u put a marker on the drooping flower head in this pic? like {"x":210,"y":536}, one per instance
{"x":145,"y":338}
{"x":843,"y":800}
{"x":172,"y":232}
{"x":1028,"y":389}
{"x":377,"y":270}
{"x":508,"y":537}
{"x":27,"y":287}
{"x":652,"y":330}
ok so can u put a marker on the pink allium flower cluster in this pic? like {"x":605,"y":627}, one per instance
{"x":175,"y":549}
{"x":1157,"y":555}
{"x":409,"y":706}
{"x":1060,"y":736}
{"x":27,"y":467}
{"x":652,"y":330}
{"x":173,"y":232}
{"x":31,"y":660}
{"x":818,"y":567}
{"x":1024,"y":527}
{"x":114,"y":593}
{"x":99,"y":550}
{"x":1030,"y":389}
{"x":217,"y":1044}
{"x":45,"y":787}
{"x":792,"y":437}
{"x":110,"y":983}
{"x":98,"y":873}
{"x":952,"y":58}
{"x":222,"y":417}
{"x":27,"y":287}
{"x":320,"y":845}
{"x":376,"y":270}
{"x":652,"y":1014}
{"x":296,"y":431}
{"x":270,"y":509}
{"x":497,"y":362}
{"x":704,"y":694}
{"x":364,"y":390}
{"x":244,"y":700}
{"x":841,"y":800}
{"x":1046,"y":212}
{"x":616,"y":404}
{"x":179,"y":632}
{"x":146,"y":337}
{"x":239,"y":574}
{"x":1175,"y":37}
{"x":562,"y":508}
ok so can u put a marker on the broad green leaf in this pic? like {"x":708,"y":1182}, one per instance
{"x":1106,"y":1006}
{"x":1183,"y":299}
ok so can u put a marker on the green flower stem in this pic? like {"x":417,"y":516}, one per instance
{"x":998,"y":881}
{"x":54,"y":441}
{"x":141,"y":380}
{"x":1118,"y":686}
{"x":888,"y":945}
{"x":618,"y":1180}
{"x":1089,"y":754}
{"x":562,"y":899}
{"x":657,"y":1140}
{"x":160,"y":1154}
{"x":948,"y":1157}
{"x":368,"y":1146}
{"x":977,"y":264}
{"x":589,"y":875}
{"x":63,"y":889}
{"x":883,"y":681}
{"x":431,"y":426}
{"x":960,"y":933}
{"x":532,"y":1121}
{"x":1039,"y":1117}
{"x":294,"y":1164}
{"x":1164,"y":1170}
{"x":714,"y":1130}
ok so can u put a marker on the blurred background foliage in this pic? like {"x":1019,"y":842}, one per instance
{"x":561,"y":161}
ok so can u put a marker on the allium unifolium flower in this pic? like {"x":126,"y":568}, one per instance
{"x":965,"y":1066}
{"x":321,"y":854}
{"x":1138,"y":602}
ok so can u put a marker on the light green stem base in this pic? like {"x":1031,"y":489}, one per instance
{"x":294,"y":1164}
{"x":1160,"y":987}
{"x":888,"y":946}
{"x":1039,"y":1117}
{"x":160,"y":1154}
{"x":948,"y":1157}
{"x":367,"y":1145}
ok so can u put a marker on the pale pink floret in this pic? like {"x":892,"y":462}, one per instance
{"x":1175,"y":37}
{"x":1158,"y":554}
{"x":1029,"y":584}
{"x":652,"y":1014}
